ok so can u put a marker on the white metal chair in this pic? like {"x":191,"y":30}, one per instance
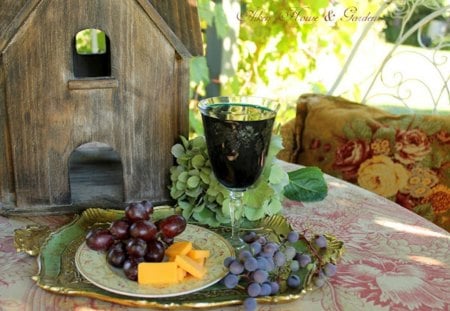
{"x":423,"y":79}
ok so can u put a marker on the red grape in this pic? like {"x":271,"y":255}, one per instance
{"x":168,"y":241}
{"x":130,"y":268}
{"x":172,"y":225}
{"x":143,"y":229}
{"x":99,"y":239}
{"x":155,"y":251}
{"x":119,"y":229}
{"x":116,"y":257}
{"x":148,"y":206}
{"x":136,"y":248}
{"x":119,"y":245}
{"x":136,"y":211}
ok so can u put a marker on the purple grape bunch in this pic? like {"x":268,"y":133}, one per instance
{"x":264,"y":267}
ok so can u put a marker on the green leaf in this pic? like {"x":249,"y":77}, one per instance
{"x":186,"y":209}
{"x":221,"y":218}
{"x":256,"y":197}
{"x":348,"y":131}
{"x":361,"y":129}
{"x":193,"y":181}
{"x":199,"y":70}
{"x":431,"y":128}
{"x":198,"y":143}
{"x":432,"y":160}
{"x":185,"y":142}
{"x":253,"y":214}
{"x":199,"y":208}
{"x":220,"y":198}
{"x":225,"y":208}
{"x":220,"y":21}
{"x":385,"y":133}
{"x":301,"y":246}
{"x":276,"y":145}
{"x":183,"y":177}
{"x":175,"y":171}
{"x":206,"y":216}
{"x":205,"y":177}
{"x":181,"y":161}
{"x":194,"y":172}
{"x":425,"y":210}
{"x":278,"y":175}
{"x":194,"y":193}
{"x":181,"y":186}
{"x":405,"y":122}
{"x":175,"y":193}
{"x":198,"y":161}
{"x":274,"y":207}
{"x":195,"y":123}
{"x":306,"y":184}
{"x":177,"y":150}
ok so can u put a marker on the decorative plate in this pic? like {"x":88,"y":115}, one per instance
{"x":58,"y":272}
{"x":93,"y":266}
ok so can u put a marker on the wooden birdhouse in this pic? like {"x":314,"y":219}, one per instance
{"x":93,"y":94}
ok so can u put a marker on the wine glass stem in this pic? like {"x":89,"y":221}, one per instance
{"x":236,"y":211}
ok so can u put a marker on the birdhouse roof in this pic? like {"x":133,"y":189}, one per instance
{"x":177,"y":20}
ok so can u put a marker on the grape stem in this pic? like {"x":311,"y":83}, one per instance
{"x":311,"y":248}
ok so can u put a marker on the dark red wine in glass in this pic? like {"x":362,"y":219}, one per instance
{"x":237,"y":132}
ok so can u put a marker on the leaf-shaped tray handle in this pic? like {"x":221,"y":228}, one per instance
{"x":30,"y":238}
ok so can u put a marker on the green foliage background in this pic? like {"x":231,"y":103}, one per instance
{"x":278,"y":52}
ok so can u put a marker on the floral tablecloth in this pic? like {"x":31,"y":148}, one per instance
{"x":393,"y":259}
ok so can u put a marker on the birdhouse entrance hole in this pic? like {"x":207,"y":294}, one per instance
{"x":96,"y":176}
{"x":91,"y":54}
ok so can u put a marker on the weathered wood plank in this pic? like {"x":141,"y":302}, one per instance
{"x":6,"y":167}
{"x":169,"y":33}
{"x":182,"y":17}
{"x":13,"y":14}
{"x":87,"y":84}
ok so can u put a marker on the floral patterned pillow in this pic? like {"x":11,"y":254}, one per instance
{"x":405,"y":158}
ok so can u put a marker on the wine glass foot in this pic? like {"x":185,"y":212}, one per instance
{"x":237,"y":243}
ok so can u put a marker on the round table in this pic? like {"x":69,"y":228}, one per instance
{"x":393,"y":258}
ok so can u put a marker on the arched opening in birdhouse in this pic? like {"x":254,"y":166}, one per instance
{"x":91,"y":54}
{"x":96,"y":176}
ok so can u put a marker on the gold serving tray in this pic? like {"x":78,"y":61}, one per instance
{"x":58,"y":272}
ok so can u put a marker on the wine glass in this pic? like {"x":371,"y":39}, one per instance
{"x":237,"y":132}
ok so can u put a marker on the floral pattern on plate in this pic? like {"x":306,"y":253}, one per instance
{"x":93,"y":266}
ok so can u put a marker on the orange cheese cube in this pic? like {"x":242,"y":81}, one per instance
{"x":157,"y":273}
{"x":198,"y":253}
{"x":191,"y":266}
{"x":181,"y":274}
{"x":201,"y":261}
{"x":178,"y":248}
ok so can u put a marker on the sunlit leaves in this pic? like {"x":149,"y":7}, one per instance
{"x":199,"y":70}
